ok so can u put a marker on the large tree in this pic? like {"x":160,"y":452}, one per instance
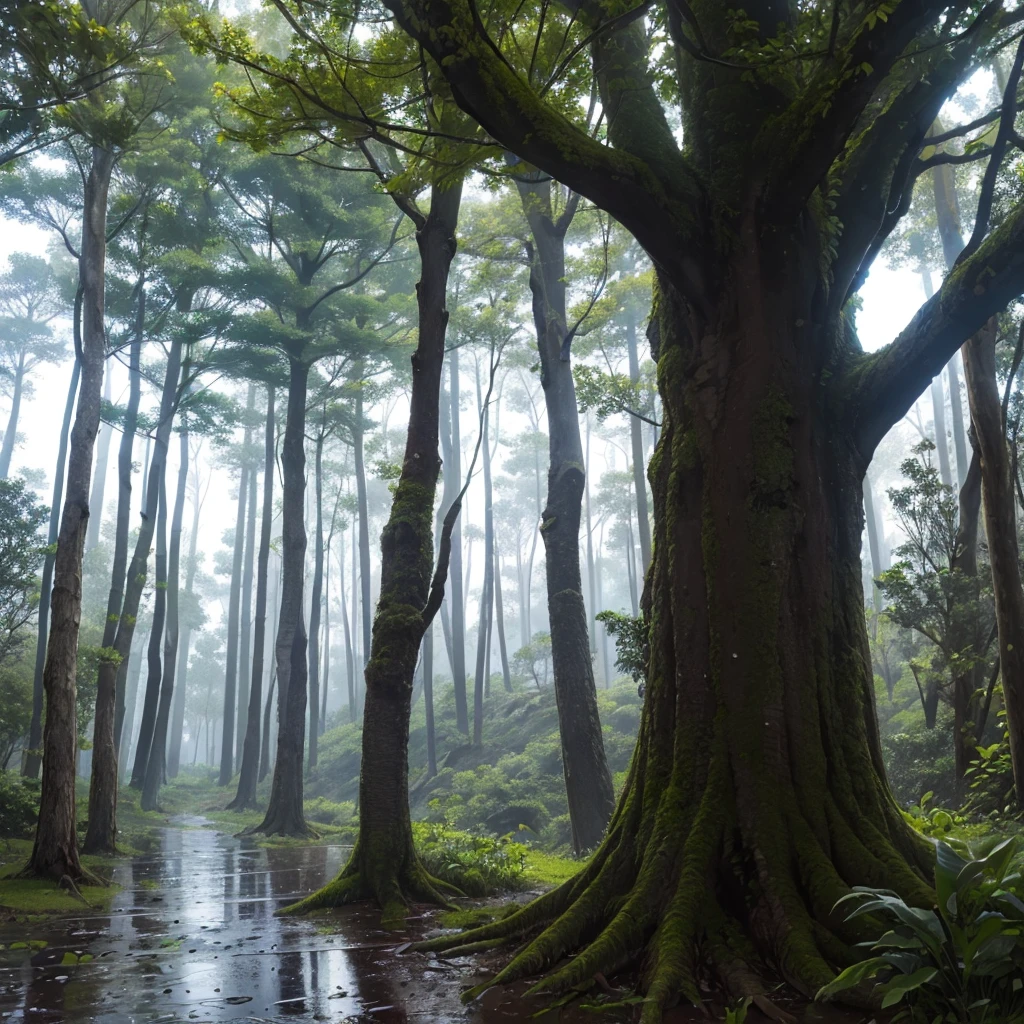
{"x":757,"y":795}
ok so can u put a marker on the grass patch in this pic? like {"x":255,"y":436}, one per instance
{"x":36,"y":896}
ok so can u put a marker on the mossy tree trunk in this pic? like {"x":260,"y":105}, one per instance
{"x":316,"y":593}
{"x":756,"y":796}
{"x":384,"y":865}
{"x":284,"y":812}
{"x":55,"y":851}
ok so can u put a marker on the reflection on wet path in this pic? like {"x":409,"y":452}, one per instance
{"x":192,"y":937}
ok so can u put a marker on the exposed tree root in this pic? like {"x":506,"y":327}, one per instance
{"x":698,"y":903}
{"x":391,"y":890}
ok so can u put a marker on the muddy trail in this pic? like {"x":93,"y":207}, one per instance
{"x":191,"y":936}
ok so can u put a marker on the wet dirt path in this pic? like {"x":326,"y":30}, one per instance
{"x":192,"y":936}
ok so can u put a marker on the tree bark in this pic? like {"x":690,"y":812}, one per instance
{"x":457,"y":600}
{"x":99,"y":477}
{"x":11,"y":433}
{"x":178,"y":709}
{"x":245,"y":797}
{"x":248,"y":562}
{"x":350,"y":666}
{"x":384,"y":864}
{"x":316,"y":599}
{"x":101,"y":836}
{"x":227,"y":749}
{"x":55,"y":852}
{"x":365,"y":602}
{"x":284,"y":813}
{"x":636,"y":439}
{"x":1001,"y":533}
{"x":154,"y":650}
{"x":483,"y":667}
{"x":33,"y":758}
{"x":155,"y":773}
{"x":499,"y":613}
{"x":588,"y":781}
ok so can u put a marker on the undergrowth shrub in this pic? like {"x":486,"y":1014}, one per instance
{"x":478,"y":865}
{"x":19,"y":805}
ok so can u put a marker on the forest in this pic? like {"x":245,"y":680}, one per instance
{"x":529,"y":521}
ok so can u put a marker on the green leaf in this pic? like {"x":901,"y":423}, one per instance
{"x":896,"y":989}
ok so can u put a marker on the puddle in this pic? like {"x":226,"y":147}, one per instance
{"x":192,"y":937}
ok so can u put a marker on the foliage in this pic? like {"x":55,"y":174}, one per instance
{"x":991,"y":778}
{"x":19,"y":805}
{"x":631,"y":645}
{"x":932,"y":820}
{"x":478,"y":865}
{"x":15,"y":708}
{"x":961,"y":962}
{"x":21,"y":557}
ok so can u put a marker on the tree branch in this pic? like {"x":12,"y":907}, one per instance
{"x":881,"y":387}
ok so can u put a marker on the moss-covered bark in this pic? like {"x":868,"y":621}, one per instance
{"x":384,"y":866}
{"x":756,"y":796}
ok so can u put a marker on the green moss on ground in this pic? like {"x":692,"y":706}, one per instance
{"x":32,"y":896}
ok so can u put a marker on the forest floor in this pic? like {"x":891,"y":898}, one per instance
{"x":188,"y":933}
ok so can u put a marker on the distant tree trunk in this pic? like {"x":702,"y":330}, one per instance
{"x":157,"y":761}
{"x":591,"y":581}
{"x":483,"y":667}
{"x":384,"y":864}
{"x":99,"y":477}
{"x":366,"y":603}
{"x":245,"y":622}
{"x":178,"y":711}
{"x":643,"y":525}
{"x":10,"y":434}
{"x":350,"y":667}
{"x":356,"y":658}
{"x":33,"y":758}
{"x":265,"y":761}
{"x":284,"y":814}
{"x":55,"y":852}
{"x":1001,"y":533}
{"x":587,"y":778}
{"x":956,"y":407}
{"x":499,"y":612}
{"x":325,"y":681}
{"x":227,"y":747}
{"x":316,"y":598}
{"x":132,"y":679}
{"x":113,"y":672}
{"x":457,"y":602}
{"x":248,"y":774}
{"x":874,"y":548}
{"x":154,"y":651}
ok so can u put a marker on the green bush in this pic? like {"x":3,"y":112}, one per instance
{"x":19,"y":805}
{"x":961,"y":963}
{"x":478,"y":865}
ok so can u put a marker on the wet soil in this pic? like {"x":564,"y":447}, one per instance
{"x":192,"y":936}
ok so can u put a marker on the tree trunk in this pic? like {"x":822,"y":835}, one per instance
{"x":157,"y":762}
{"x":154,"y":650}
{"x":245,"y":622}
{"x":55,"y":852}
{"x":316,"y":598}
{"x":588,"y":782}
{"x":11,"y":433}
{"x":227,"y":748}
{"x":113,"y":671}
{"x":132,"y":679}
{"x":499,"y":614}
{"x":178,"y":710}
{"x":99,"y":477}
{"x":457,"y":602}
{"x":33,"y":758}
{"x":384,"y":864}
{"x":1001,"y":533}
{"x":637,"y":447}
{"x":245,"y":797}
{"x":483,"y":667}
{"x":284,"y":814}
{"x":350,"y":667}
{"x":325,"y":681}
{"x":758,"y":769}
{"x":365,"y":602}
